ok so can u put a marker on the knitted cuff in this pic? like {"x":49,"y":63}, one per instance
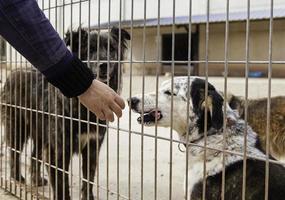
{"x":71,"y":76}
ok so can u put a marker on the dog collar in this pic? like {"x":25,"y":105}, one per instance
{"x":210,"y":132}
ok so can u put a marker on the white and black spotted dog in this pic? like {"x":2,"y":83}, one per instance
{"x":234,"y":137}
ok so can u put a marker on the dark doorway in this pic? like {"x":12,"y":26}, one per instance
{"x":180,"y":49}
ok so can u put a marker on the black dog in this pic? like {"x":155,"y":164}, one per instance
{"x":57,"y":134}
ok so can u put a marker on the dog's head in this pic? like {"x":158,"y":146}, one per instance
{"x":112,"y":45}
{"x":198,"y":104}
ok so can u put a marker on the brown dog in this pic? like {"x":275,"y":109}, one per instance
{"x":257,"y":118}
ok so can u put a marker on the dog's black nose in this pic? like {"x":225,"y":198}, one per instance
{"x":132,"y":102}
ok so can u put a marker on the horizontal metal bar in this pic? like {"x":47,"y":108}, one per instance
{"x":64,"y":4}
{"x":145,"y":134}
{"x":176,"y":62}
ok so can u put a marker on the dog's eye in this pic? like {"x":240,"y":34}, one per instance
{"x":169,"y":93}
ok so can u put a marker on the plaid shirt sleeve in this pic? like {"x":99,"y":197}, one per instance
{"x":25,"y":27}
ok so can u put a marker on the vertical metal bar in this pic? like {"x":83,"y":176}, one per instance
{"x":188,"y":97}
{"x":16,"y":143}
{"x":156,"y":97}
{"x":143,"y":92}
{"x":13,"y":149}
{"x":64,"y":134}
{"x":11,"y":108}
{"x":71,"y":108}
{"x":20,"y":116}
{"x":37,"y":137}
{"x":206,"y":102}
{"x":31,"y":120}
{"x":88,"y":112}
{"x":3,"y":128}
{"x":56,"y":144}
{"x":171,"y":106}
{"x":10,"y":129}
{"x":79,"y":104}
{"x":4,"y":149}
{"x":107,"y":123}
{"x":22,"y":189}
{"x":16,"y":150}
{"x":225,"y":100}
{"x":98,"y":75}
{"x":246,"y":99}
{"x":49,"y":136}
{"x":26,"y":128}
{"x":119,"y":85}
{"x":56,"y":118}
{"x":49,"y":115}
{"x":43,"y":126}
{"x":268,"y":101}
{"x":130,"y":110}
{"x":6,"y":129}
{"x":6,"y":122}
{"x":43,"y":135}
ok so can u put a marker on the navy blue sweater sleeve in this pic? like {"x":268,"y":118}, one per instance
{"x":25,"y":27}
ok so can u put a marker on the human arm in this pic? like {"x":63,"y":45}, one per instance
{"x":26,"y":28}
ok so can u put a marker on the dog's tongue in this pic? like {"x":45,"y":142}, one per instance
{"x":150,"y":117}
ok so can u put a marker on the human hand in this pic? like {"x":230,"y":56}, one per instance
{"x":102,"y":101}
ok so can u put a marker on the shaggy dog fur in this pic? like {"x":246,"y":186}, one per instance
{"x":60,"y":137}
{"x":234,"y":141}
{"x":257,"y":116}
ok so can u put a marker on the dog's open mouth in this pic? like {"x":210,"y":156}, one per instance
{"x":149,"y":117}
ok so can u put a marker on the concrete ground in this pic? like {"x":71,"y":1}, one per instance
{"x":120,"y":149}
{"x":6,"y":195}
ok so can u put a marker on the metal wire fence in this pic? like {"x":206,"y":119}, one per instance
{"x":129,"y":161}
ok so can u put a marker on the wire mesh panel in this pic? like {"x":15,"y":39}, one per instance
{"x":202,"y":81}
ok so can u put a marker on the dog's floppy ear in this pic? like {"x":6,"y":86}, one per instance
{"x":213,"y":104}
{"x":75,"y":41}
{"x":216,"y":109}
{"x":115,"y":32}
{"x":124,"y":34}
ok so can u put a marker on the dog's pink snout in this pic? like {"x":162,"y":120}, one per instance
{"x":132,"y":102}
